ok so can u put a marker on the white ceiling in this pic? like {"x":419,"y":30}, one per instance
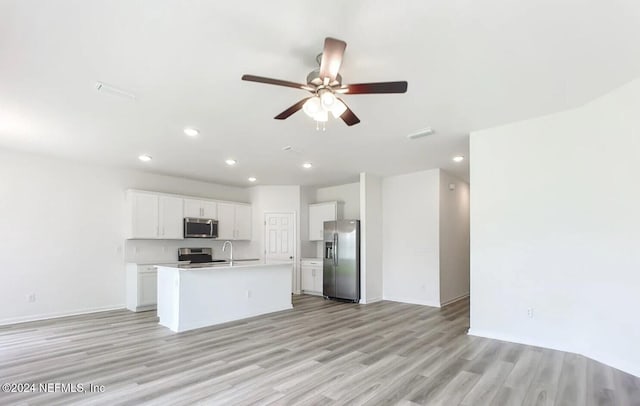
{"x":470,"y":65}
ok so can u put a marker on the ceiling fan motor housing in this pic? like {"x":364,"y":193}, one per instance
{"x":313,"y":78}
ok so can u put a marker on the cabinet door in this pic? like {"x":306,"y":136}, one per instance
{"x":209,"y":210}
{"x":307,"y":278}
{"x":318,"y":214}
{"x":226,"y":221}
{"x":170,"y":219}
{"x":144,"y":215}
{"x":192,"y":208}
{"x":317,"y":279}
{"x":148,"y":289}
{"x":243,"y":222}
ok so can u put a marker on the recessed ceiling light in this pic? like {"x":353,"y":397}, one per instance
{"x":231,"y":162}
{"x":307,"y":165}
{"x":145,"y":158}
{"x":252,"y":179}
{"x":458,"y":158}
{"x":191,"y":132}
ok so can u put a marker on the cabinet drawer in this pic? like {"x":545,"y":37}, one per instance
{"x":147,"y":268}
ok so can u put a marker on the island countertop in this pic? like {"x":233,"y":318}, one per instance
{"x":226,"y":265}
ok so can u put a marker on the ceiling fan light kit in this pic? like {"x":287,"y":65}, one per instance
{"x":324,"y":83}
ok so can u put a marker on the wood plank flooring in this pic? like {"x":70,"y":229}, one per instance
{"x":319,"y":353}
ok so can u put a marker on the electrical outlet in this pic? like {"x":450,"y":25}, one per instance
{"x":530,"y":312}
{"x":31,"y":297}
{"x":165,"y":249}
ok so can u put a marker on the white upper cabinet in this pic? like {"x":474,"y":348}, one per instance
{"x":318,"y":214}
{"x":226,"y":221}
{"x":234,"y":221}
{"x":143,"y":209}
{"x":154,"y":216}
{"x":160,"y":216}
{"x":243,"y":222}
{"x":209,"y":210}
{"x":200,"y":209}
{"x":170,"y":218}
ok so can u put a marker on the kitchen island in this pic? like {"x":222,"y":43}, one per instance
{"x":195,"y":297}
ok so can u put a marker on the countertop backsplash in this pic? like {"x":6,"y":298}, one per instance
{"x":147,"y":251}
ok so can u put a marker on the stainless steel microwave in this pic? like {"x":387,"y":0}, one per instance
{"x":200,"y":228}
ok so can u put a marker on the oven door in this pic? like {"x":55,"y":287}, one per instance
{"x":200,"y":228}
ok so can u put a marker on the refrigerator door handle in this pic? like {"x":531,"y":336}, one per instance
{"x":335,"y":249}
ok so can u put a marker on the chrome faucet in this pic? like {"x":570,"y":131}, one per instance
{"x":224,"y":247}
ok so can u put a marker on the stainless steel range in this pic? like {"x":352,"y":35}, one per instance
{"x":198,"y":256}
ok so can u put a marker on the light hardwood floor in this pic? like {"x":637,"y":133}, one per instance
{"x":321,"y":352}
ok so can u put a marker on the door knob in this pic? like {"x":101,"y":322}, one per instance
{"x":290,"y":257}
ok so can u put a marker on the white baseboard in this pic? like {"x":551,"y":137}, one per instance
{"x":369,"y":301}
{"x":411,"y":301}
{"x":622,"y":365}
{"x":55,"y":315}
{"x":455,"y":299}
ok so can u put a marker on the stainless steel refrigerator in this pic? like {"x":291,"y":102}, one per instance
{"x":341,"y":260}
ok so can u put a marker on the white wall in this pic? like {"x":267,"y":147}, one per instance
{"x":454,"y":238}
{"x":349,"y":194}
{"x":370,"y":238}
{"x":411,"y":237}
{"x":555,"y":227}
{"x":275,"y":199}
{"x":308,"y":249}
{"x":62,"y":227}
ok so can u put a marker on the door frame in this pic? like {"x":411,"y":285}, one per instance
{"x":296,"y":268}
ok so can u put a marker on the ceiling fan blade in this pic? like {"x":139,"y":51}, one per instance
{"x":379,"y":87}
{"x":291,"y":110}
{"x":277,"y":82}
{"x":331,"y":59}
{"x":348,"y":117}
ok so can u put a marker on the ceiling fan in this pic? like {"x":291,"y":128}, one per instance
{"x":325,"y":84}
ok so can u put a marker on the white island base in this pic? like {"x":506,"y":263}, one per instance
{"x":200,"y":297}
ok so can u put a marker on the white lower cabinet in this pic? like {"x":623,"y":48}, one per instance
{"x":311,"y":276}
{"x":142,"y":287}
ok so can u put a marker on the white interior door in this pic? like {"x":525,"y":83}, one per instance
{"x":280,"y":240}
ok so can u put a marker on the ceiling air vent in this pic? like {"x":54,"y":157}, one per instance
{"x":420,"y":134}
